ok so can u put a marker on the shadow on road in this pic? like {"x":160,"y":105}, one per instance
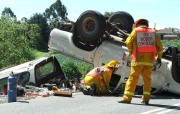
{"x":23,"y":101}
{"x":162,"y":95}
{"x":165,"y":95}
{"x":161,"y":106}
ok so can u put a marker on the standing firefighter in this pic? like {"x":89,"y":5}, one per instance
{"x":97,"y":80}
{"x":143,"y":45}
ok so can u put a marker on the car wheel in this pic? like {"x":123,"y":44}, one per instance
{"x":79,"y":44}
{"x":115,"y":83}
{"x":167,"y":53}
{"x":122,"y":20}
{"x":90,"y":27}
{"x":175,"y":68}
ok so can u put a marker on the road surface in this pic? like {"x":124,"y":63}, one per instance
{"x":82,"y":104}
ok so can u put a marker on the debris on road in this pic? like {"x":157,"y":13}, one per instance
{"x":62,"y":92}
{"x":32,"y":92}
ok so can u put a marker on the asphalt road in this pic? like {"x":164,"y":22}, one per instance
{"x":81,"y":104}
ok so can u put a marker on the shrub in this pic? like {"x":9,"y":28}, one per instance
{"x":175,"y":43}
{"x":14,"y":45}
{"x":74,"y":68}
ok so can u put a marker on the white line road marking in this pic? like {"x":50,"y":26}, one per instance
{"x":159,"y":109}
{"x":169,"y":110}
{"x":151,"y":111}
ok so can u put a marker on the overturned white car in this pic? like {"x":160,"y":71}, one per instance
{"x":96,"y":40}
{"x":35,"y":73}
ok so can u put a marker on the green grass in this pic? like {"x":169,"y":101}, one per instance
{"x":39,"y":54}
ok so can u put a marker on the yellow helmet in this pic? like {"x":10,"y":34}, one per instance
{"x":113,"y":64}
{"x":144,"y":21}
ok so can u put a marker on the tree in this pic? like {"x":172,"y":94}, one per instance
{"x":24,"y":19}
{"x":41,"y":21}
{"x":8,"y":12}
{"x":14,"y":45}
{"x":56,"y":12}
{"x":108,"y":14}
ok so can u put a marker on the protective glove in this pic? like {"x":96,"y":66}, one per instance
{"x":158,"y":61}
{"x":157,"y":64}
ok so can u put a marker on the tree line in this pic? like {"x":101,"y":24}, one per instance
{"x":18,"y":38}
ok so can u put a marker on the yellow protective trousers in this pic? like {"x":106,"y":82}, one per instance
{"x":130,"y":87}
{"x":101,"y":89}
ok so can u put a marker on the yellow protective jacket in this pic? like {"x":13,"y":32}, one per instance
{"x":141,"y":57}
{"x":102,"y":86}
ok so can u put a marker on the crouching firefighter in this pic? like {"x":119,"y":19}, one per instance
{"x":96,"y":82}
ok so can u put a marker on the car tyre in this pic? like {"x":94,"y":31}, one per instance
{"x":90,"y":27}
{"x":175,"y":68}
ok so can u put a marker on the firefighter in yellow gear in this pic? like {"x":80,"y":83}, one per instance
{"x":96,"y":82}
{"x":145,"y":49}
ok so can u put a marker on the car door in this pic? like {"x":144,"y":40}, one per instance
{"x":47,"y":70}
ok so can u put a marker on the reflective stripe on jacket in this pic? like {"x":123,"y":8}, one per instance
{"x":96,"y":73}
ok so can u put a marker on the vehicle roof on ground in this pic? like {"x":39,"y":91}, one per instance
{"x":20,"y":68}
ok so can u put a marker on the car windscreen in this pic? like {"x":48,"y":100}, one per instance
{"x":45,"y":70}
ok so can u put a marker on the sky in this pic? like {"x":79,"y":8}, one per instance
{"x":160,"y":13}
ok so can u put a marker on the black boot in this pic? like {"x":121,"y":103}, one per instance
{"x":84,"y":90}
{"x":145,"y":102}
{"x":92,"y":89}
{"x":123,"y":101}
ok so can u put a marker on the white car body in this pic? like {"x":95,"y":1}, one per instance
{"x":162,"y":79}
{"x":36,"y":72}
